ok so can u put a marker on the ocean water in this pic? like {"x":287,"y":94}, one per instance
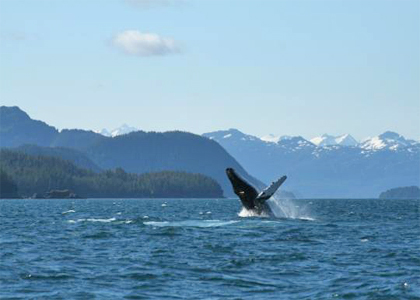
{"x":209,"y":249}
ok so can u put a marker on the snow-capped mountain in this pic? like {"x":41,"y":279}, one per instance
{"x":231,"y":135}
{"x":329,"y":140}
{"x":388,"y":140}
{"x":346,"y":140}
{"x":234,"y":138}
{"x":104,"y":132}
{"x":294,"y":143}
{"x":123,"y":129}
{"x":336,"y":167}
{"x":271,"y":138}
{"x":321,"y":141}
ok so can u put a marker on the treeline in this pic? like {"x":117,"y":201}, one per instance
{"x":408,"y":192}
{"x":79,"y":159}
{"x":38,"y":174}
{"x":8,"y":188}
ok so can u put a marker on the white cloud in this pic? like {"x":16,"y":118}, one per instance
{"x":153,"y":3}
{"x":134,"y":42}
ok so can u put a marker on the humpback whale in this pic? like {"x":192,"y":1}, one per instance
{"x":249,"y":196}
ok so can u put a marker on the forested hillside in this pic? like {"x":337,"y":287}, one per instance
{"x":76,"y":157}
{"x":39,"y":174}
{"x":8,"y":188}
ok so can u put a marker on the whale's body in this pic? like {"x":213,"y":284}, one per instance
{"x":250,"y":198}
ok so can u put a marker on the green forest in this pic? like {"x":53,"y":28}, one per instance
{"x":24,"y":175}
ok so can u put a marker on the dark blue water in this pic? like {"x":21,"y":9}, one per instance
{"x":202,"y":249}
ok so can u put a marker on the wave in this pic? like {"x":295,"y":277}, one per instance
{"x":191,"y":223}
{"x":92,"y":220}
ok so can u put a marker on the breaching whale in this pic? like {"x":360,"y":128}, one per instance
{"x":250,"y":198}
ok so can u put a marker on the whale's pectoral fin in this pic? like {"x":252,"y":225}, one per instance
{"x":246,"y":192}
{"x":269,"y":191}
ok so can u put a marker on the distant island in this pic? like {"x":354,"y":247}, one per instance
{"x":39,"y":176}
{"x":408,"y":192}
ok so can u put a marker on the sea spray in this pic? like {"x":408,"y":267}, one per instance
{"x":245,"y":213}
{"x":281,"y":208}
{"x":287,"y":208}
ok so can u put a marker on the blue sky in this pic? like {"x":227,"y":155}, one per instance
{"x":283,"y":67}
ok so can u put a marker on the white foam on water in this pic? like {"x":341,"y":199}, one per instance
{"x":163,"y":205}
{"x":191,"y":223}
{"x":92,"y":220}
{"x":306,"y":218}
{"x":68,"y":212}
{"x":245,"y":213}
{"x":101,"y":220}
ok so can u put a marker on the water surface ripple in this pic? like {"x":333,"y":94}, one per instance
{"x":202,"y":249}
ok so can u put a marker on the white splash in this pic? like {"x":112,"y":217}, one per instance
{"x":281,"y":208}
{"x":286,"y":208}
{"x":245,"y":213}
{"x":68,"y":211}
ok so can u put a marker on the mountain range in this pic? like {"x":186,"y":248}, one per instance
{"x":323,"y":167}
{"x":329,"y":140}
{"x":123,"y":129}
{"x":327,"y":166}
{"x":324,"y":140}
{"x":137,"y":152}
